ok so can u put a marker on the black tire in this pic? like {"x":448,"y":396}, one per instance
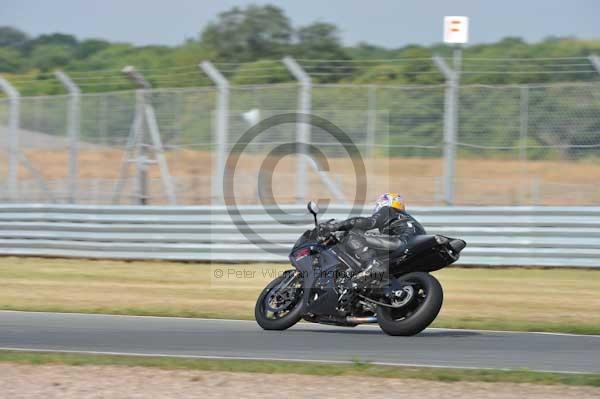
{"x":411,"y":320}
{"x":282,"y":323}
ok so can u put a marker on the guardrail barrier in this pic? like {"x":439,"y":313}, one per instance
{"x":496,"y":236}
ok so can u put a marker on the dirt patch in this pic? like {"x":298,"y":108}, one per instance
{"x":58,"y":381}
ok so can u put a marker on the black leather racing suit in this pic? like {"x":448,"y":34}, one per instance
{"x":396,"y":228}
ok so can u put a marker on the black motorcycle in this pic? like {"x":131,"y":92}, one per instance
{"x":323,"y":288}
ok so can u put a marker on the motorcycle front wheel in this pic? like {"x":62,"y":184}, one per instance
{"x":279,"y":306}
{"x":419,"y":312}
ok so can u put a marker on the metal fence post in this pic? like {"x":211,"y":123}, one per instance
{"x":73,"y":127}
{"x":371,"y":120}
{"x":523,"y":134}
{"x":595,"y":60}
{"x":450,"y":122}
{"x":13,"y":137}
{"x":303,"y":128}
{"x":221,"y":128}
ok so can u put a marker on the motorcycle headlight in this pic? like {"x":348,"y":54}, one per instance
{"x":301,"y":253}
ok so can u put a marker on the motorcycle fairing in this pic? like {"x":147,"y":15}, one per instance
{"x":320,"y":296}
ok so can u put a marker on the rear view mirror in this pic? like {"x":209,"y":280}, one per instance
{"x":313,"y":207}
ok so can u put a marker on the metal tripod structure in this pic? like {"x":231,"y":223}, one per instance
{"x":140,"y":152}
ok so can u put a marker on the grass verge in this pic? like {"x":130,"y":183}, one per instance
{"x":254,"y":366}
{"x":553,"y":300}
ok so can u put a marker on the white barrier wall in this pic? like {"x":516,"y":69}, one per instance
{"x":496,"y":236}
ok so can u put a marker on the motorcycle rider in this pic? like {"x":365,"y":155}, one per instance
{"x":396,"y":228}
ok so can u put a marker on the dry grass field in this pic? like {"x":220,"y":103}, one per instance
{"x":514,"y":298}
{"x":488,"y":181}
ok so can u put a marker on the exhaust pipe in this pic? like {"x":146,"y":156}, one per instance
{"x":361,"y":320}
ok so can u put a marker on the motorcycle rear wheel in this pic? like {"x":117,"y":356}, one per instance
{"x":269,"y":320}
{"x":419,"y":313}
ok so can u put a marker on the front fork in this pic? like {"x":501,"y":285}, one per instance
{"x":286,"y":281}
{"x":278,"y":294}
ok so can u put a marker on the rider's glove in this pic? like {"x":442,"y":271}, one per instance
{"x":328,"y":227}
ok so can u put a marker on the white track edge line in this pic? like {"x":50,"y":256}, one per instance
{"x":209,"y":357}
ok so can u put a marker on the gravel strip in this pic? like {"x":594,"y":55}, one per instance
{"x":65,"y":382}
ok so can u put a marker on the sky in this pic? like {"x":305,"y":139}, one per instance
{"x":388,"y":23}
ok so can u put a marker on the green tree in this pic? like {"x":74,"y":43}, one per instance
{"x":565,"y":117}
{"x":48,"y":57}
{"x":12,"y":37}
{"x":10,"y":60}
{"x":91,"y":46}
{"x":382,"y":74}
{"x":418,"y":67}
{"x":56,"y":39}
{"x":321,"y":42}
{"x":249,"y":34}
{"x":261,"y":72}
{"x":112,"y":57}
{"x":366,"y":51}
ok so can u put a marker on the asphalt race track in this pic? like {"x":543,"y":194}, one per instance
{"x":244,"y":339}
